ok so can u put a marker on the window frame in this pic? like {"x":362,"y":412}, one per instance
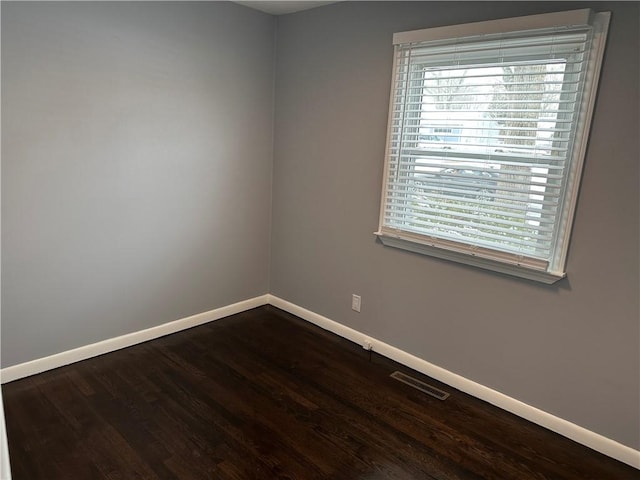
{"x":489,"y":258}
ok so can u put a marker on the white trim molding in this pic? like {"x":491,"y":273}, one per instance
{"x":420,"y":179}
{"x":558,"y":425}
{"x":563,"y":427}
{"x":5,"y":467}
{"x":40,"y":365}
{"x":501,"y":265}
{"x":501,"y":26}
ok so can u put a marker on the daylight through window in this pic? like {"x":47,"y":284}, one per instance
{"x":487,"y":134}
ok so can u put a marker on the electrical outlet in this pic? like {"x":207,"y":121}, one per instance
{"x":356,"y":301}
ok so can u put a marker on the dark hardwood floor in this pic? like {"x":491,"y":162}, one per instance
{"x":264,"y":395}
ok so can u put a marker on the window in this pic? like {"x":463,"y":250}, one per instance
{"x":488,"y":127}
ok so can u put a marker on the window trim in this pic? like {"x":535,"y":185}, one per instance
{"x":490,"y":259}
{"x":511,"y":267}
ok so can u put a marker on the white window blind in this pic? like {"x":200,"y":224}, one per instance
{"x":486,"y":139}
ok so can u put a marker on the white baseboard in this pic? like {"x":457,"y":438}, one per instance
{"x":40,"y":365}
{"x":570,"y":430}
{"x":565,"y":428}
{"x":5,"y":467}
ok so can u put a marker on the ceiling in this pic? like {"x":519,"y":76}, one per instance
{"x":283,"y":7}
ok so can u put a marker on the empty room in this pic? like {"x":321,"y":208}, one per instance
{"x":320,"y":240}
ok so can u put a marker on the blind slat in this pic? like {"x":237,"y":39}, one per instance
{"x":464,"y":222}
{"x":480,"y":237}
{"x":514,"y":195}
{"x":535,"y":224}
{"x":481,"y":139}
{"x":486,"y":137}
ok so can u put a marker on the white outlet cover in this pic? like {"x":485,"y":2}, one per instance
{"x":356,"y":301}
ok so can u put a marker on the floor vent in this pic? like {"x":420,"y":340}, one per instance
{"x":423,"y":387}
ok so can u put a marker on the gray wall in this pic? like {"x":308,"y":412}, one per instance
{"x":571,"y":349}
{"x":136,"y":188}
{"x":136,"y":167}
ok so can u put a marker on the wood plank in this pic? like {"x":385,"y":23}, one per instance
{"x":265,"y":395}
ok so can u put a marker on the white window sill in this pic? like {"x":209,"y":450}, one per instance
{"x":470,"y":259}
